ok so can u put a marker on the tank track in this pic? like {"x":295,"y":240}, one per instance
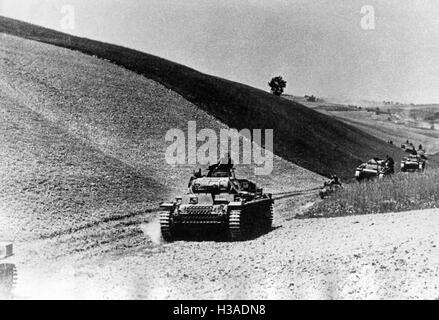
{"x":166,"y":225}
{"x":8,"y":279}
{"x":264,"y":220}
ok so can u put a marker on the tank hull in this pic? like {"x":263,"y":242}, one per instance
{"x":412,"y":166}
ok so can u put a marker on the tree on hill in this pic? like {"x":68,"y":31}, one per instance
{"x":277,"y":85}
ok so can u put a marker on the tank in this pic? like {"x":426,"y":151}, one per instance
{"x":8,"y":278}
{"x":234,"y":206}
{"x":373,"y":168}
{"x":413,"y":163}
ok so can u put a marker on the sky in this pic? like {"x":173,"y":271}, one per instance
{"x":318,"y":46}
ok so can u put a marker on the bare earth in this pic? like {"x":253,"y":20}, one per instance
{"x":388,"y":256}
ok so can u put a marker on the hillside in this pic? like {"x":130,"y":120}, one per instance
{"x":303,"y":136}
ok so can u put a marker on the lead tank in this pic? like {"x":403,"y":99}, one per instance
{"x":236,"y":206}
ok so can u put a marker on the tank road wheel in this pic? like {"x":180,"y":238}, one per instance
{"x":235,"y":228}
{"x":166,"y":225}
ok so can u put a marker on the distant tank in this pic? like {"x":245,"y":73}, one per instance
{"x":413,"y":163}
{"x":373,"y":168}
{"x":236,"y":206}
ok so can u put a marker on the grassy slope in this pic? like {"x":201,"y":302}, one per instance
{"x":303,"y":136}
{"x":82,"y":147}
